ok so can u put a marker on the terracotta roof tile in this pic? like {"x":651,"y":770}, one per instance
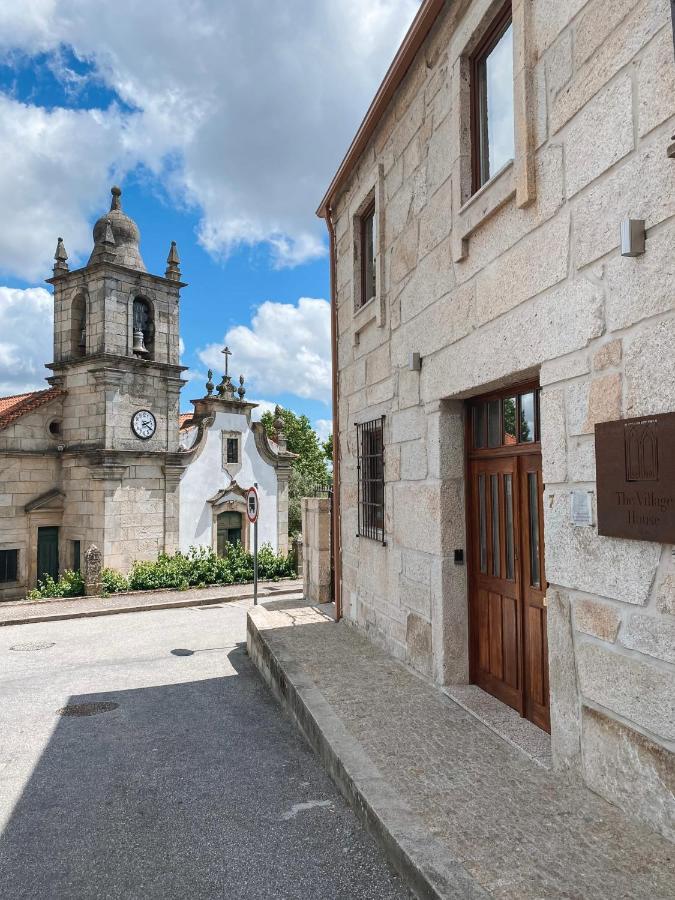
{"x":184,"y":420}
{"x":13,"y":408}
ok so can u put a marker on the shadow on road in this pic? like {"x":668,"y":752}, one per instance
{"x":181,"y":791}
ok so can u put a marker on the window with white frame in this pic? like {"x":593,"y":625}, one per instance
{"x":231,"y":449}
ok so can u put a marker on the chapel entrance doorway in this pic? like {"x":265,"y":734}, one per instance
{"x":508,"y":652}
{"x":48,"y":552}
{"x":229,"y":527}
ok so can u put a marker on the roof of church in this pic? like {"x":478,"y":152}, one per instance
{"x":117,"y":234}
{"x":13,"y":408}
{"x":185,"y":420}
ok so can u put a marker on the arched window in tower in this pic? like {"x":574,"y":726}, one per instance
{"x":78,"y":326}
{"x":144,"y":329}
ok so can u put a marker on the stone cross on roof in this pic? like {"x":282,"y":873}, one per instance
{"x":227,"y":353}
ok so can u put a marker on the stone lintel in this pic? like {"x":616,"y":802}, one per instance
{"x":112,"y":360}
{"x":104,"y":267}
{"x":208,"y":406}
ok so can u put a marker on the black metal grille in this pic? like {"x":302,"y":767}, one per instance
{"x":233,"y":450}
{"x":370,"y":456}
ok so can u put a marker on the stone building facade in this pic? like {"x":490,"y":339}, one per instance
{"x":474,"y":294}
{"x":97,"y":458}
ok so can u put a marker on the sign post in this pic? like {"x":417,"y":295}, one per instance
{"x":252,"y":510}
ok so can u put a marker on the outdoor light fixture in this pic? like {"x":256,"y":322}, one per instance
{"x":415,"y":362}
{"x":632,"y":237}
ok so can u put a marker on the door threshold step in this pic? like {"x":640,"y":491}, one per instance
{"x":504,"y":722}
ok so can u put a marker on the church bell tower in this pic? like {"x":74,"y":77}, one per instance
{"x":116,"y":354}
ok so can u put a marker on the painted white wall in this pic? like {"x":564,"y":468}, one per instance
{"x":205,"y":476}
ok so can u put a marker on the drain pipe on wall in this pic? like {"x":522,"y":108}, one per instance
{"x":336,"y":542}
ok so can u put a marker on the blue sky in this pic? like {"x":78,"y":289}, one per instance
{"x":223,"y":122}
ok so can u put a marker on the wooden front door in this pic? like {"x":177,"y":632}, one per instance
{"x":229,"y":529}
{"x":507,"y":586}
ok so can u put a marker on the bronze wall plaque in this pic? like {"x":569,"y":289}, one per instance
{"x":635,"y":461}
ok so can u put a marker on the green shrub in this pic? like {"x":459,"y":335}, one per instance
{"x":69,"y":584}
{"x":113,"y":582}
{"x":198,"y":567}
{"x":201,"y":566}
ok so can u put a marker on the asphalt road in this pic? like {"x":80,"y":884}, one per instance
{"x":186,"y":781}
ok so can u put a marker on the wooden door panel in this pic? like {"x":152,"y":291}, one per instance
{"x":483,"y":629}
{"x":535,"y":642}
{"x":496,"y":637}
{"x":496,"y":610}
{"x":511,"y":642}
{"x":535,"y":647}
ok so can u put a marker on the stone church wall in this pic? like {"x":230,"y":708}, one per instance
{"x":510,"y":286}
{"x":30,"y":467}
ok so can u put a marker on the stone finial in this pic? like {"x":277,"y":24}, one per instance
{"x":60,"y":256}
{"x":93,"y":563}
{"x":279,"y":428}
{"x":173,"y":263}
{"x":278,"y":420}
{"x":108,"y":236}
{"x":241,"y":390}
{"x":209,"y":384}
{"x":115,"y":203}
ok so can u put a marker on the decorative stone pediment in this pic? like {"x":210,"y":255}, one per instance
{"x":233,"y":494}
{"x":50,"y":500}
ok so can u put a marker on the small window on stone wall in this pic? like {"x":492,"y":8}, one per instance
{"x":370,"y":461}
{"x":77,"y":558}
{"x":55,"y":428}
{"x":9,"y":565}
{"x":506,"y":420}
{"x":368,"y":255}
{"x":492,"y":118}
{"x":144,"y":329}
{"x":231,"y":449}
{"x":78,"y":327}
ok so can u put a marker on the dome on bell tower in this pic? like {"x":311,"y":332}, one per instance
{"x":116,"y":237}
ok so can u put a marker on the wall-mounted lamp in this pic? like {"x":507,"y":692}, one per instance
{"x":632,"y":237}
{"x":414,"y":362}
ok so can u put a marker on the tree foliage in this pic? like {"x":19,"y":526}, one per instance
{"x":309,"y":469}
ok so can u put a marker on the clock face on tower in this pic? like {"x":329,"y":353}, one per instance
{"x":143,"y":424}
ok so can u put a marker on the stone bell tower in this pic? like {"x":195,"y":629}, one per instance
{"x":116,"y":354}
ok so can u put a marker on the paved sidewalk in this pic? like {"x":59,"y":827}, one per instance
{"x":459,"y":811}
{"x":23,"y":612}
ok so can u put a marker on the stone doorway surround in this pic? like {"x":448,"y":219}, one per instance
{"x":44,"y":511}
{"x":229,"y":500}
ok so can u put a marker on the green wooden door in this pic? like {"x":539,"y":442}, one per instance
{"x":229,"y":531}
{"x":48,"y":552}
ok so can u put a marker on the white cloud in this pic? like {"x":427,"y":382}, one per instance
{"x":263,"y":407}
{"x":250,"y":106}
{"x":285,"y":350}
{"x":26,"y":339}
{"x":324,"y":428}
{"x":55,"y":177}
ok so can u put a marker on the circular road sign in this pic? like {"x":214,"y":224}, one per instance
{"x":252,"y":504}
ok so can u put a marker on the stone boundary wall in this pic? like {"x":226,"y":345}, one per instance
{"x":316,"y":549}
{"x":524,"y":280}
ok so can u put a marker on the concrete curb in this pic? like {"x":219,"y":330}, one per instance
{"x":145,"y":607}
{"x":407,"y":843}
